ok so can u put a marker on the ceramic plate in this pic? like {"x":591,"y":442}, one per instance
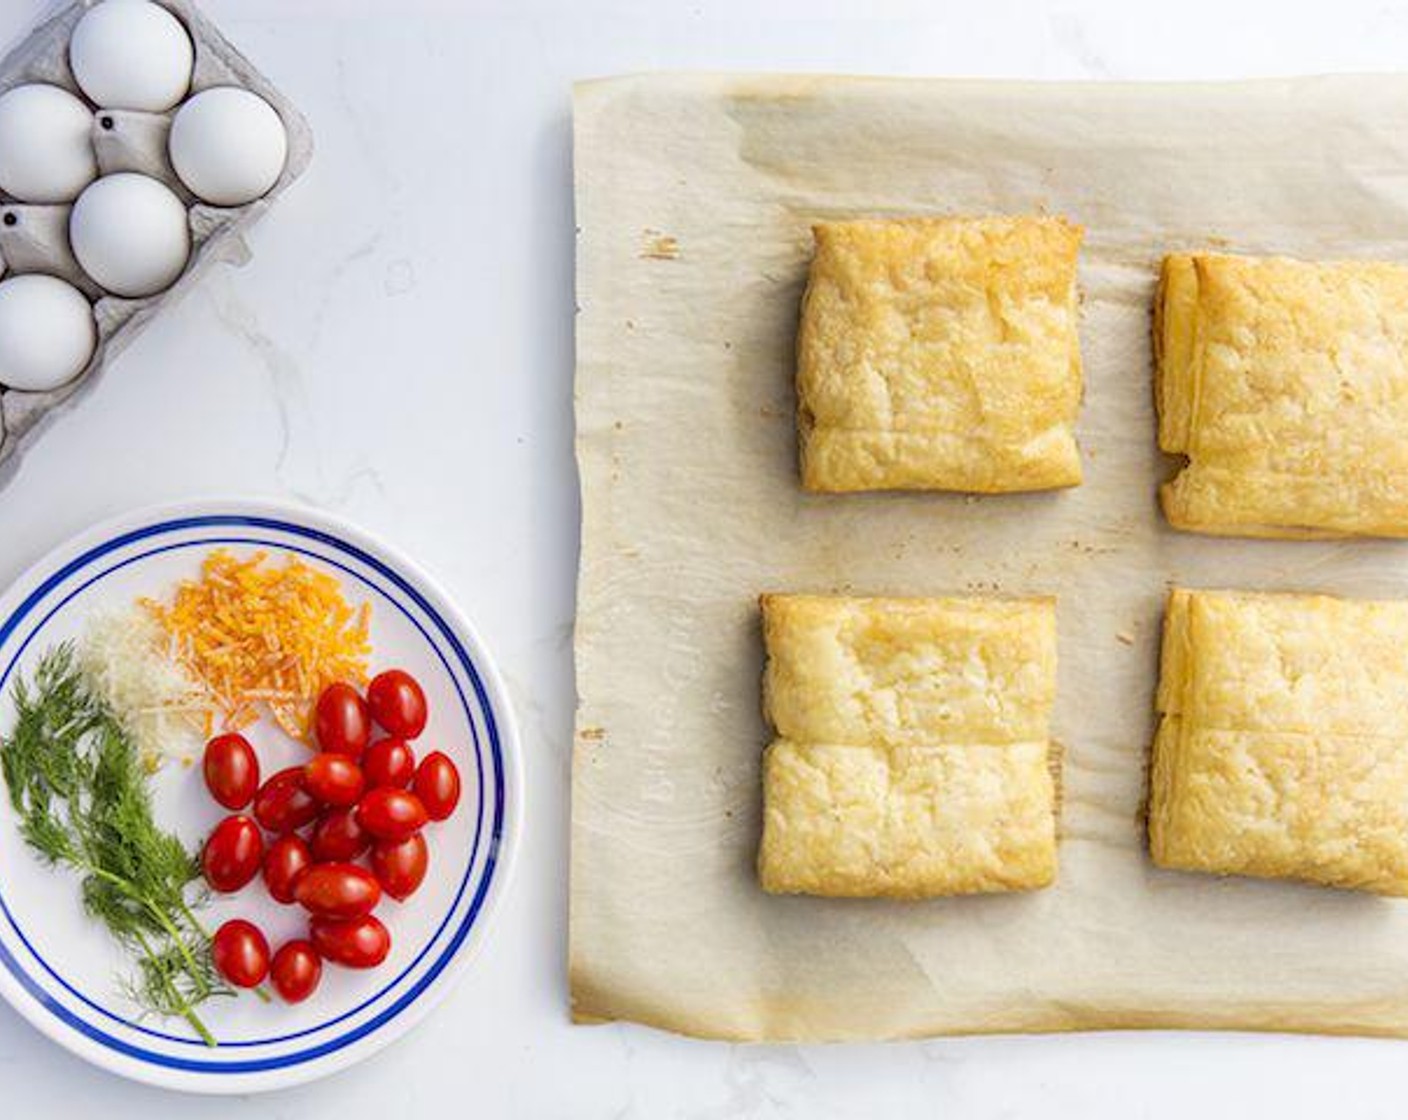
{"x":62,"y":972}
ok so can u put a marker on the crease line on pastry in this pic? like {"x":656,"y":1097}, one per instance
{"x":1197,"y":359}
{"x":919,"y":744}
{"x":1197,"y":727}
{"x":1060,"y":426}
{"x":1174,"y":373}
{"x":1162,"y":773}
{"x":1167,"y":367}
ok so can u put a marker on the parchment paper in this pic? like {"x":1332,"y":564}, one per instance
{"x":694,"y":198}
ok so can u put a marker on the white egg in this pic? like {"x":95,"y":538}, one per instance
{"x":47,"y":332}
{"x":228,"y":146}
{"x":46,"y":150}
{"x":130,"y":234}
{"x":132,"y":54}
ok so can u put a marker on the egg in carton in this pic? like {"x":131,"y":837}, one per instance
{"x":37,"y":237}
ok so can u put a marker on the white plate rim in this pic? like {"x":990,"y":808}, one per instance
{"x":339,"y":532}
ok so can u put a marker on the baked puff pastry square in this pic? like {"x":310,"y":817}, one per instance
{"x":912,"y":755}
{"x":940,"y":354}
{"x":1282,"y":748}
{"x":1285,"y":383}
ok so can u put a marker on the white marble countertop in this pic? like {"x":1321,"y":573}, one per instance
{"x":399,"y":351}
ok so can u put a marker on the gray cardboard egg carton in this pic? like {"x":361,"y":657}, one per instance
{"x":34,"y":238}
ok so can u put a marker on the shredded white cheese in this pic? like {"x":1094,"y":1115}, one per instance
{"x":134,"y":669}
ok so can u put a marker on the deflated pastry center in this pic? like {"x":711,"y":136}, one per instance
{"x":912,"y":755}
{"x":1280,"y":743}
{"x":940,"y":354}
{"x":913,"y":752}
{"x":1284,"y":383}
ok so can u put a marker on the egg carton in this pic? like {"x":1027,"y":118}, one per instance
{"x":34,"y":237}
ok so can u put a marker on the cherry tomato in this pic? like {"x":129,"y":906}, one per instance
{"x":231,"y":855}
{"x":283,"y":803}
{"x":334,"y":779}
{"x":391,"y":814}
{"x":338,"y":890}
{"x":240,"y":953}
{"x":437,"y":785}
{"x":397,"y":703}
{"x":288,"y":857}
{"x":400,"y":865}
{"x":356,"y":943}
{"x":296,"y":970}
{"x":231,"y":770}
{"x":337,"y":837}
{"x":389,"y":762}
{"x":341,"y":721}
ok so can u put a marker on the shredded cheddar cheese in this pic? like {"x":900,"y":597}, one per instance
{"x":254,"y":634}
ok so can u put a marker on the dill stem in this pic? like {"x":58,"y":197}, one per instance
{"x":196,"y":922}
{"x":187,"y":1011}
{"x":175,"y":935}
{"x":166,"y":923}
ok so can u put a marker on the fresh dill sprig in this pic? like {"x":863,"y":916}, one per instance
{"x":81,"y":793}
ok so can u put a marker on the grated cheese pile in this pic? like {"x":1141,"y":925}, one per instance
{"x":255,"y":633}
{"x":129,"y":660}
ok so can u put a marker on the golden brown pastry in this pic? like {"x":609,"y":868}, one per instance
{"x":912,"y":756}
{"x":940,"y":354}
{"x":1282,"y":748}
{"x":1285,"y":383}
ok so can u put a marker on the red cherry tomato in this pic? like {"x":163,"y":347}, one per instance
{"x":240,"y":953}
{"x":341,"y":721}
{"x":338,"y":838}
{"x":397,"y":703}
{"x":391,"y":814}
{"x":389,"y":762}
{"x":296,"y":970}
{"x":355,"y":943}
{"x":334,"y":779}
{"x":337,"y":890}
{"x":288,"y":857}
{"x":231,"y":770}
{"x":231,"y":855}
{"x":400,"y":865}
{"x":283,"y":803}
{"x":437,"y":785}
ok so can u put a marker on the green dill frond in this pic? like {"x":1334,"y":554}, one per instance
{"x":75,"y":779}
{"x":163,"y":983}
{"x":47,"y":835}
{"x":125,"y":916}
